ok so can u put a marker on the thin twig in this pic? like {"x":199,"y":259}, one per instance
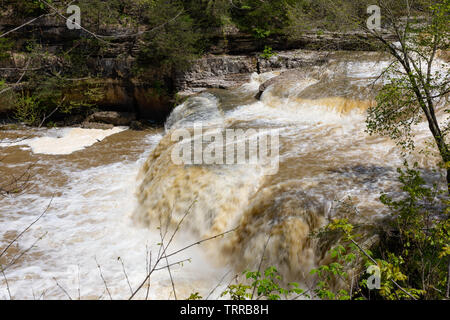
{"x":21,"y":254}
{"x":447,"y":294}
{"x":18,"y":81}
{"x":126,"y":275}
{"x":220,"y":282}
{"x":160,"y":256}
{"x":112,"y":37}
{"x":261,"y":261}
{"x":173,"y":264}
{"x":302,"y":294}
{"x":6,"y":280}
{"x":148,"y":258}
{"x":79,"y":289}
{"x":104,"y":281}
{"x":176,"y":252}
{"x":201,"y":241}
{"x":62,"y":289}
{"x":168,"y":269}
{"x":27,"y":228}
{"x":51,"y":113}
{"x":374,"y":261}
{"x":25,"y":24}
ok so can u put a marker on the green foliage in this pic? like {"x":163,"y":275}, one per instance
{"x":413,"y":87}
{"x":261,"y":33}
{"x":195,"y":296}
{"x":208,"y":13}
{"x":412,"y":255}
{"x":267,"y":53}
{"x":346,"y":272}
{"x":172,"y":46}
{"x":261,"y":17}
{"x":76,"y":58}
{"x":54,"y":96}
{"x":335,"y":15}
{"x":396,"y":111}
{"x":5,"y":46}
{"x":26,"y":8}
{"x":28,"y":109}
{"x":267,"y":286}
{"x":238,"y":292}
{"x":421,"y":229}
{"x":345,"y":257}
{"x":7,"y":98}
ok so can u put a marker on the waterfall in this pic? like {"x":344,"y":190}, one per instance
{"x":325,"y":156}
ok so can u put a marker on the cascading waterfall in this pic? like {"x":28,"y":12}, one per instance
{"x":325,"y":156}
{"x":91,"y":177}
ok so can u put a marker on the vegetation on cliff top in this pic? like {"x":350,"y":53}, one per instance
{"x":152,"y":40}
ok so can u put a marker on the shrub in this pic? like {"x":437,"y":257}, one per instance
{"x":412,"y":255}
{"x":266,"y":285}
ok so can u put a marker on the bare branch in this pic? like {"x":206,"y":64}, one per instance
{"x":220,"y":282}
{"x":376,"y":263}
{"x":126,"y":275}
{"x":104,"y":281}
{"x":26,"y":229}
{"x":168,"y":265}
{"x":261,"y":260}
{"x":6,"y":280}
{"x":21,"y":254}
{"x":25,"y":24}
{"x":111,"y":37}
{"x":62,"y":289}
{"x":173,"y":264}
{"x":201,"y":241}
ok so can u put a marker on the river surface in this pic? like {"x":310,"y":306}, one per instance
{"x":106,"y":193}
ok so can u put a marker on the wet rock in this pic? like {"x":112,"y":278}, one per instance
{"x":96,"y":125}
{"x":293,"y":59}
{"x":444,"y":55}
{"x":222,"y":72}
{"x":287,"y":76}
{"x":234,"y":56}
{"x":152,"y":104}
{"x":112,"y":117}
{"x":227,"y":71}
{"x":137,"y":125}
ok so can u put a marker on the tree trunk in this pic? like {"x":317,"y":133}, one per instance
{"x":443,"y":148}
{"x":447,"y":294}
{"x":448,"y":180}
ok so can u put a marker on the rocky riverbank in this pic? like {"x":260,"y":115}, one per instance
{"x":232,"y":58}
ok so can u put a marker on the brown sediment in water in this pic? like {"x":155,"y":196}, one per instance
{"x":325,"y":156}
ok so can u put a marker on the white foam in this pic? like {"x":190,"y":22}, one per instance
{"x":257,"y":79}
{"x":91,"y":220}
{"x":66,"y":140}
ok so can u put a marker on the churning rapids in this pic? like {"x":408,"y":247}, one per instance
{"x":105,"y":193}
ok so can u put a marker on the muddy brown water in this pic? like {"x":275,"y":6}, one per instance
{"x":107,"y":200}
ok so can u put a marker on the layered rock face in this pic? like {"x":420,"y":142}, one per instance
{"x":110,"y":69}
{"x":232,"y":59}
{"x":228,"y":71}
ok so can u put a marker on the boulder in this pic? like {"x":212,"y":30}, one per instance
{"x":112,"y":117}
{"x":294,"y":75}
{"x":96,"y":125}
